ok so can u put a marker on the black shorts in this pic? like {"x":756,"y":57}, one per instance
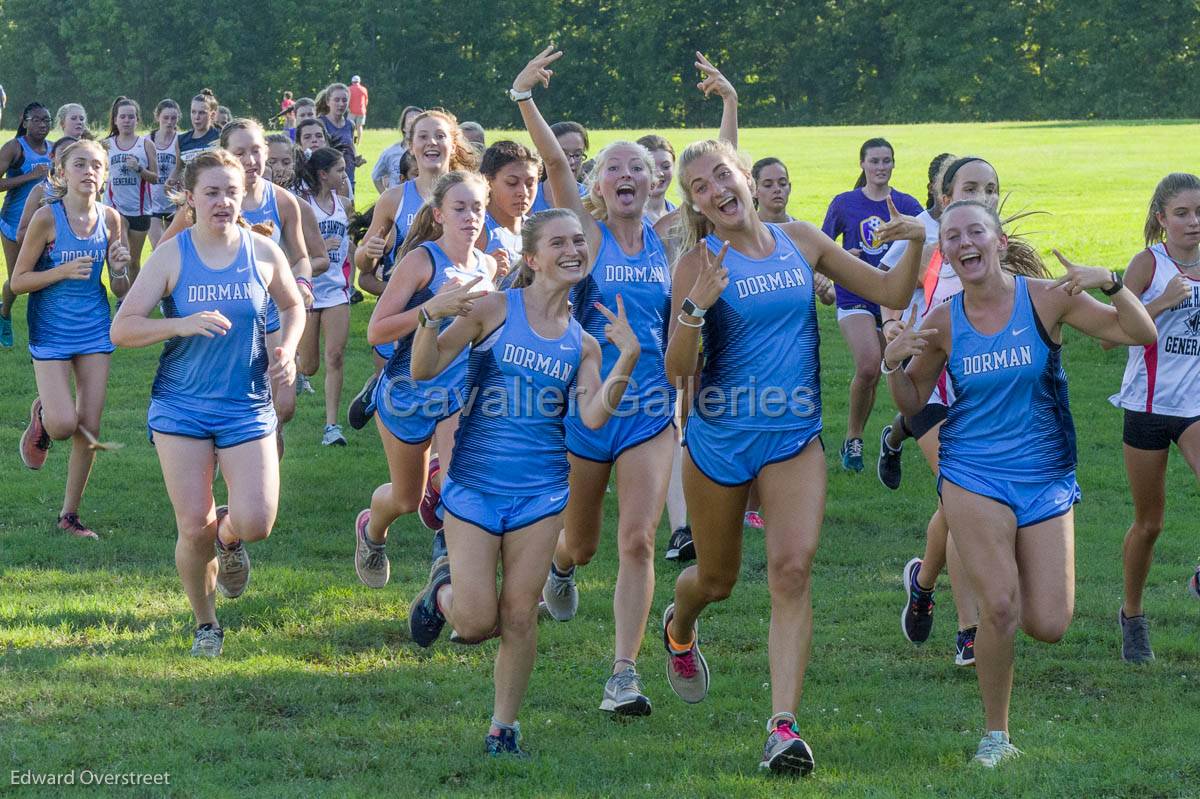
{"x":165,"y":217}
{"x":137,"y":224}
{"x":929,"y":417}
{"x":1154,"y":431}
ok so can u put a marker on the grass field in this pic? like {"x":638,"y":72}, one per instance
{"x":320,"y":693}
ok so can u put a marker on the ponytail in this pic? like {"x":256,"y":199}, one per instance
{"x":1164,"y":192}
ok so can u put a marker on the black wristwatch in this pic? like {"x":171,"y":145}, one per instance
{"x":1117,"y":285}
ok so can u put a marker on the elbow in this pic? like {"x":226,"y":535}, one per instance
{"x":319,"y":265}
{"x":420,"y":372}
{"x":375,"y":336}
{"x":1148,"y":337}
{"x":17,"y":285}
{"x":119,"y":334}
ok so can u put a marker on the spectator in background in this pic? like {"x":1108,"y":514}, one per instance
{"x":386,"y":173}
{"x":223,"y":117}
{"x":358,"y":106}
{"x":305,"y":108}
{"x":474,"y":133}
{"x":287,"y":110}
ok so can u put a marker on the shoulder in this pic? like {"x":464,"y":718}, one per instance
{"x":840,"y":200}
{"x":691,"y":261}
{"x":112,"y":217}
{"x":265,"y":248}
{"x":1144,"y":262}
{"x":800,"y":231}
{"x":42,"y":219}
{"x":665,"y":222}
{"x":591,"y":347}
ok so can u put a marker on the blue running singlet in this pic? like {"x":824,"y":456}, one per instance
{"x":510,"y":437}
{"x":1010,"y":419}
{"x":761,"y":361}
{"x":409,"y":408}
{"x":14,"y":199}
{"x":268,"y":212}
{"x":410,"y":202}
{"x":71,"y":317}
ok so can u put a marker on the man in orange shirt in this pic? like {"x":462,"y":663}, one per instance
{"x":358,"y":106}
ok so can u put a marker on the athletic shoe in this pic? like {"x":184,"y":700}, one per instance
{"x":1194,"y":583}
{"x":681,"y":548}
{"x":754,"y":520}
{"x":303,"y":386}
{"x":786,"y":752}
{"x":916,"y":620}
{"x":852,"y":454}
{"x":995,"y":747}
{"x":964,"y":647}
{"x":439,"y":546}
{"x":427,"y":510}
{"x":623,"y":695}
{"x":1135,"y":638}
{"x":333,"y":436}
{"x":233,"y":564}
{"x":362,"y":407}
{"x":560,"y":594}
{"x":687,"y":672}
{"x":6,"y":336}
{"x":70,"y":522}
{"x":888,"y":467}
{"x":35,"y":441}
{"x":505,"y":744}
{"x":208,"y":641}
{"x":425,"y":619}
{"x":356,"y":297}
{"x":371,"y":562}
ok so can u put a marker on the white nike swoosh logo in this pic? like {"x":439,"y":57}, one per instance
{"x":565,"y":347}
{"x":558,"y":498}
{"x":1019,"y":332}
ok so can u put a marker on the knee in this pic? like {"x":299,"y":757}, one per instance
{"x":334,"y":359}
{"x":716,"y":587}
{"x":791,"y":577}
{"x":60,"y":424}
{"x":285,"y":405}
{"x":1048,"y":627}
{"x":195,"y":530}
{"x":1002,"y":610}
{"x":474,"y":625}
{"x":518,"y":620}
{"x":250,"y":525}
{"x":635,"y":546}
{"x":306,"y":366}
{"x":867,"y":372}
{"x":1146,"y":530}
{"x":582,"y":550}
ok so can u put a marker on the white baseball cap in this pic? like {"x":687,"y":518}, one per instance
{"x":356,"y":79}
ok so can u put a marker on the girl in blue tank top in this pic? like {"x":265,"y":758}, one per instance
{"x":412,"y":413}
{"x":507,"y":485}
{"x":747,"y":287}
{"x":211,"y":399}
{"x":60,"y":266}
{"x":1007,"y":459}
{"x":628,"y":260}
{"x":24,"y":160}
{"x":439,"y":147}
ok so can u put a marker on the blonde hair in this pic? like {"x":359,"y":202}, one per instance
{"x":63,"y":110}
{"x":1019,"y":257}
{"x":593,"y":203}
{"x":322,"y":101}
{"x":424,"y":227}
{"x":531,"y":235}
{"x":57,"y":180}
{"x":462,"y":155}
{"x":692,"y":226}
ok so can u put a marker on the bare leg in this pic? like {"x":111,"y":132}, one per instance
{"x":335,"y":324}
{"x":91,"y":387}
{"x":1147,"y":473}
{"x":187,"y":465}
{"x":865,"y":346}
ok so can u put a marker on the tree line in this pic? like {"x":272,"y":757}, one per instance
{"x":628,"y":62}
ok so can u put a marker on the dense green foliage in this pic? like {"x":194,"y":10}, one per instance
{"x":629,"y":62}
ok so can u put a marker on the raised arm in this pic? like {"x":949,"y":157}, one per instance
{"x":374,"y":242}
{"x":390,"y":321}
{"x":700,"y":278}
{"x":714,"y":81}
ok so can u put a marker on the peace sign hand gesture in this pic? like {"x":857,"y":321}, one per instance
{"x":1081,"y":278}
{"x":909,"y":342}
{"x":714,"y":80}
{"x":537,"y":71}
{"x":899,"y":227}
{"x":618,"y":331}
{"x":454,"y":299}
{"x":712,"y":280}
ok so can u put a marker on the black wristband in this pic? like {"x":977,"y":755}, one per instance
{"x":1117,"y":285}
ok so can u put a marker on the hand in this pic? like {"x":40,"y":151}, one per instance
{"x":537,"y":71}
{"x":892,"y":328}
{"x":453,"y":299}
{"x":910,"y":341}
{"x":374,"y":247}
{"x":306,"y":295}
{"x":503,"y":267}
{"x":39,"y":171}
{"x":360,"y":160}
{"x":1081,"y":278}
{"x":822,"y":286}
{"x":132,"y":164}
{"x":1178,"y":289}
{"x":76,"y":269}
{"x":715,"y":81}
{"x":203,"y":323}
{"x":899,"y":227}
{"x":283,"y":367}
{"x":711,"y":281}
{"x":332,"y":244}
{"x":118,"y":256}
{"x":618,"y":331}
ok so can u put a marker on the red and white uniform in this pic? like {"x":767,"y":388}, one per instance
{"x":127,"y":192}
{"x":1164,"y":377}
{"x":332,"y":287}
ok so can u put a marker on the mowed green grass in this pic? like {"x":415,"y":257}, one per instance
{"x":319,"y":691}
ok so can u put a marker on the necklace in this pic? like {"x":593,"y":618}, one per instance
{"x":1179,"y":263}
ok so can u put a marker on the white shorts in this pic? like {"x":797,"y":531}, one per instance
{"x":358,"y":119}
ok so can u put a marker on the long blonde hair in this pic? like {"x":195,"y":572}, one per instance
{"x":692,"y":226}
{"x":593,"y":203}
{"x":57,"y":179}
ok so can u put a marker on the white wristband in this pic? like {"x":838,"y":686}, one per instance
{"x":695,"y":325}
{"x":883,"y":367}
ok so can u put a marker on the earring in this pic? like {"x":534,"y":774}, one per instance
{"x":695,"y":208}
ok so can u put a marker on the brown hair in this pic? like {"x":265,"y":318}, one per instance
{"x":112,"y":112}
{"x":424,"y":227}
{"x":462,"y":155}
{"x":209,"y":159}
{"x":531,"y":238}
{"x":1166,"y":190}
{"x":652,"y":142}
{"x":207,"y":97}
{"x":251,"y":126}
{"x":1019,"y":257}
